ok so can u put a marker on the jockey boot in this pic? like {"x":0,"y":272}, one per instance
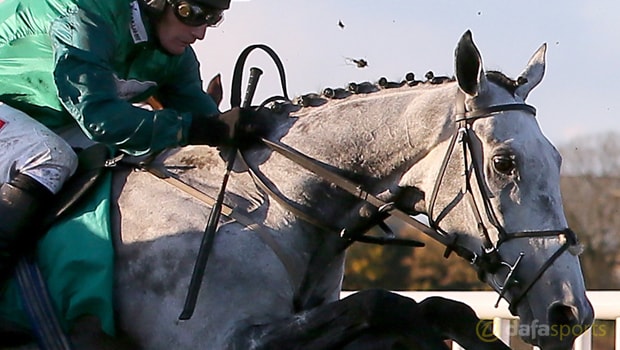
{"x":21,"y":204}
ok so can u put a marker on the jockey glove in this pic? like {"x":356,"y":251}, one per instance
{"x":239,"y":127}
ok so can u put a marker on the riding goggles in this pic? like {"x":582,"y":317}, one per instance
{"x":195,"y":15}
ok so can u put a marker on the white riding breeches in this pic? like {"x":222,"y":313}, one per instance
{"x":30,"y":148}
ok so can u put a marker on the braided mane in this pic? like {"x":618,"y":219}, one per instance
{"x":315,"y":99}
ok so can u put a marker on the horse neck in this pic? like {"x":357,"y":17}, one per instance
{"x":374,"y":134}
{"x":372,"y":138}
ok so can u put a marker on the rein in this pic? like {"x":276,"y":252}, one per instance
{"x":352,"y":188}
{"x":318,"y":263}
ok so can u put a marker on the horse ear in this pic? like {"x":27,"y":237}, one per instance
{"x":214,"y":89}
{"x":469,"y":72}
{"x":533,"y":73}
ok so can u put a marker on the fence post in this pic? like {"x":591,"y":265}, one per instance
{"x":456,"y":346}
{"x":617,"y":333}
{"x":501,"y":329}
{"x":584,"y":341}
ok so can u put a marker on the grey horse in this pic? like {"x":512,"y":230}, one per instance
{"x":467,"y":153}
{"x":498,"y":198}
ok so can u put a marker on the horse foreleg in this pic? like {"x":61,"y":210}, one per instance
{"x":457,"y":321}
{"x":376,"y":316}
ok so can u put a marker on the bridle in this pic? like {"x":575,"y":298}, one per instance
{"x":489,"y":260}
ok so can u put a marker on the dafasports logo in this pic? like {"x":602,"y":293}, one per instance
{"x":484,"y":330}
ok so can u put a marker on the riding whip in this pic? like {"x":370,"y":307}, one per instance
{"x":214,"y":216}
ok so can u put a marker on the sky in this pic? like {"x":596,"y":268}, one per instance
{"x":578,"y":96}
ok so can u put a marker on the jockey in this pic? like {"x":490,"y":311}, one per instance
{"x":82,"y":65}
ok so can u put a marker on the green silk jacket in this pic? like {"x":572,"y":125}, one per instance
{"x":63,"y":61}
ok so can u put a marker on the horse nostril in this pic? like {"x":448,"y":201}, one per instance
{"x":560,"y":314}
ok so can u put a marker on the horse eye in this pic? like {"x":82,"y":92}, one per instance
{"x":503,"y":164}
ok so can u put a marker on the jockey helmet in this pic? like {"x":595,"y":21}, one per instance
{"x":157,"y":6}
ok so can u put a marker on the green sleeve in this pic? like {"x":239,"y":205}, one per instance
{"x":84,"y":48}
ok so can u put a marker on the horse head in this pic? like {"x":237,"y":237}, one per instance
{"x":498,"y":194}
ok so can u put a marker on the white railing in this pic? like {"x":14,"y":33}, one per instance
{"x":606,"y":307}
